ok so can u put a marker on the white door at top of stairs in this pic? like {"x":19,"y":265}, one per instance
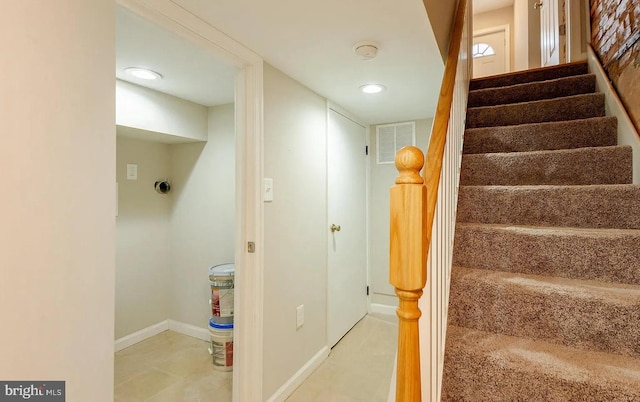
{"x":549,"y":32}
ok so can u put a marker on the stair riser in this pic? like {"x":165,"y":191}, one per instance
{"x":533,"y":91}
{"x":571,"y":108}
{"x":529,"y":308}
{"x":595,"y":132}
{"x":605,"y":165}
{"x":615,"y":206}
{"x":614,"y":258}
{"x":529,"y":76}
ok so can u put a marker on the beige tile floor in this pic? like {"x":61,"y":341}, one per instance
{"x":169,"y":367}
{"x":358,"y":368}
{"x":176,"y":368}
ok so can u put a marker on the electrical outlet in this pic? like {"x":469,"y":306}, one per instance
{"x":299,"y":316}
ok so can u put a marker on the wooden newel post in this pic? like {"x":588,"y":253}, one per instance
{"x":407,"y":270}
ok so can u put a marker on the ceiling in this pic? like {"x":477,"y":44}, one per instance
{"x":311,"y":42}
{"x":189,"y":71}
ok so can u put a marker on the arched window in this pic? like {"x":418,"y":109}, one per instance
{"x":482,"y":49}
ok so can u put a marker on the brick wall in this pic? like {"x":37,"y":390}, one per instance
{"x":615,"y":34}
{"x":615,"y":25}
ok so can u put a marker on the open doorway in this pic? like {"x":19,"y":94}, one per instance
{"x":492,"y":46}
{"x":559,"y":26}
{"x":209,"y":154}
{"x":491,"y":51}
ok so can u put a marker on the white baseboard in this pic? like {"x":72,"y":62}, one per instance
{"x":298,"y":378}
{"x":141,"y":335}
{"x":383,"y":309}
{"x":190,"y":330}
{"x":155,"y":329}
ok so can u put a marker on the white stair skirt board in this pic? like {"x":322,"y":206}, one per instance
{"x":141,"y":335}
{"x":613,"y":105}
{"x":190,"y":330}
{"x":298,"y":378}
{"x":383,"y":309}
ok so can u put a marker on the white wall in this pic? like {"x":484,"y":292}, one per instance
{"x":534,"y":48}
{"x":160,"y":115}
{"x":526,"y":35}
{"x":166,"y":243}
{"x":441,"y":15}
{"x":295,"y":227}
{"x":382,"y":177}
{"x":493,"y":18}
{"x":520,"y":35}
{"x":489,"y":19}
{"x":57,"y":153}
{"x":142,"y":237}
{"x":203,"y":215}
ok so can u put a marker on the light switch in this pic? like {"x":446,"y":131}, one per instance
{"x":268,"y":190}
{"x":132,"y":171}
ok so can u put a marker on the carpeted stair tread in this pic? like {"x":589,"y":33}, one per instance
{"x":539,"y":74}
{"x":532,"y":91}
{"x":566,"y":108}
{"x":595,"y":206}
{"x":545,"y":290}
{"x":512,"y":304}
{"x":603,"y":254}
{"x":595,"y":165}
{"x":582,"y":133}
{"x":481,"y":366}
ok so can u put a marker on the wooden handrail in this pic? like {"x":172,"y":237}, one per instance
{"x":413,"y":204}
{"x":438,"y":138}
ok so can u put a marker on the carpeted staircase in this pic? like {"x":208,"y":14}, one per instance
{"x":545,"y":288}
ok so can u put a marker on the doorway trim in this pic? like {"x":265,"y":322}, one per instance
{"x":507,"y":36}
{"x":248,"y":292}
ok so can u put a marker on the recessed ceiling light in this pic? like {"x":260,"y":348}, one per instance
{"x":372,"y":88}
{"x":143,"y":73}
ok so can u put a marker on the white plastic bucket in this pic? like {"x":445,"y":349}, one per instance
{"x":221,"y":279}
{"x":221,"y":345}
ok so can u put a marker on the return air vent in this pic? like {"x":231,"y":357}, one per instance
{"x":390,"y":138}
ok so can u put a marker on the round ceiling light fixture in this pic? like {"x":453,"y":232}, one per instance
{"x":366,"y":49}
{"x":143,"y":73}
{"x":372,"y":88}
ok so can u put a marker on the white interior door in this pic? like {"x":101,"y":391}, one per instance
{"x":549,"y":32}
{"x":347,"y":259}
{"x":490,"y":53}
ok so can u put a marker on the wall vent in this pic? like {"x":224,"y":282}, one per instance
{"x":390,"y":138}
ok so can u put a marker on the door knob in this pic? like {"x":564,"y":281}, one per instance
{"x":538,"y":5}
{"x":335,"y":228}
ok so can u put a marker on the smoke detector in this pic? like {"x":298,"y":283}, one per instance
{"x":366,"y":50}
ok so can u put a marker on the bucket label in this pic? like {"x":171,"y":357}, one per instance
{"x":222,"y":302}
{"x":222,"y":353}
